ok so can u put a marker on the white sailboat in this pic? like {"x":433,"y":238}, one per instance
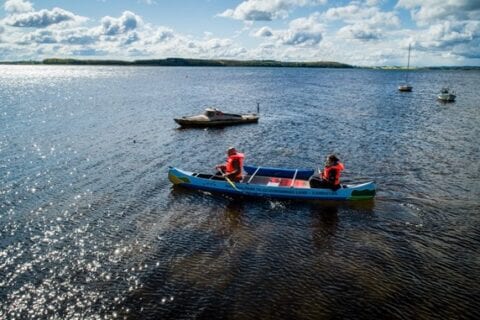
{"x":406,"y":87}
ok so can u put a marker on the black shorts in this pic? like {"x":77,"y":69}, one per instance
{"x":317,"y":182}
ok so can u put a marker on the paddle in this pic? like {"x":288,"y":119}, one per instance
{"x":229,"y":181}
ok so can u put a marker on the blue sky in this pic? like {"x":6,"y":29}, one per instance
{"x":365,"y":33}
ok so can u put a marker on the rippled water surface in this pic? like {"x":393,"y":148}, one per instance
{"x":90,"y":226}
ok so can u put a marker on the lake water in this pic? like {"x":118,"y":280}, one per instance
{"x":90,"y":226}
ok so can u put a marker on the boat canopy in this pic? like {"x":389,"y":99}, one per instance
{"x":211,"y":111}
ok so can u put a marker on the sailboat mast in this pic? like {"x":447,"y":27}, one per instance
{"x":408,"y":62}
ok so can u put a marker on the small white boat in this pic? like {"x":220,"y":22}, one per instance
{"x":213,"y":117}
{"x":405,"y":88}
{"x":446,"y":95}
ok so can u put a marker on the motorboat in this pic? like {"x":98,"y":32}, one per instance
{"x":405,"y":88}
{"x":446,"y":95}
{"x":213,"y":117}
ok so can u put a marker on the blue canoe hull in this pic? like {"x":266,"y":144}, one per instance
{"x":210,"y":183}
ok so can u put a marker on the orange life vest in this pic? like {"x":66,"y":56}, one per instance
{"x":229,"y":165}
{"x":338,"y":167}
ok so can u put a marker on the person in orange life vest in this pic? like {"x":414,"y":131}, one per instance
{"x":330,"y":176}
{"x":233,"y":167}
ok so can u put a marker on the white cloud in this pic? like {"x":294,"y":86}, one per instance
{"x":448,"y":34}
{"x":354,"y":13}
{"x":363,"y":23}
{"x":42,"y":18}
{"x":339,"y":13}
{"x":372,"y":2}
{"x":301,"y":32}
{"x":426,"y":11}
{"x":113,"y":35}
{"x":360,"y":32}
{"x":124,"y":37}
{"x":178,"y":45}
{"x":347,"y":34}
{"x":264,"y":32}
{"x":88,"y":51}
{"x":17,"y":6}
{"x":300,"y":37}
{"x":164,"y":34}
{"x":452,"y":28}
{"x":126,"y":22}
{"x":74,"y":36}
{"x":261,"y":10}
{"x":147,"y":1}
{"x":38,"y":37}
{"x":79,"y":36}
{"x":130,"y":38}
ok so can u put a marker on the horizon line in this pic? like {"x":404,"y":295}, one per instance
{"x":177,"y":61}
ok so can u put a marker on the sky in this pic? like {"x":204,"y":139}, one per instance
{"x":361,"y":33}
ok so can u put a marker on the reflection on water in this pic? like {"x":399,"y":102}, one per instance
{"x":233,"y":213}
{"x":90,"y":226}
{"x":324,"y":224}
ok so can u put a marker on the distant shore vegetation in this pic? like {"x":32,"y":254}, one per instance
{"x":183,"y":62}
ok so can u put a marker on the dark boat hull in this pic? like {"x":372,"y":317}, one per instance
{"x":405,"y":88}
{"x":214,"y":123}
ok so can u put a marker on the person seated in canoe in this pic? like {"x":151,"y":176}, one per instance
{"x":330,"y":176}
{"x":232,"y":169}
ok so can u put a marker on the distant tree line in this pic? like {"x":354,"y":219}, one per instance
{"x":86,"y":62}
{"x":181,"y":62}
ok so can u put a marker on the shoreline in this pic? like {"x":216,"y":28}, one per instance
{"x":181,"y":62}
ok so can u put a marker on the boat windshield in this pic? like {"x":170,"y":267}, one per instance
{"x":213,"y":112}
